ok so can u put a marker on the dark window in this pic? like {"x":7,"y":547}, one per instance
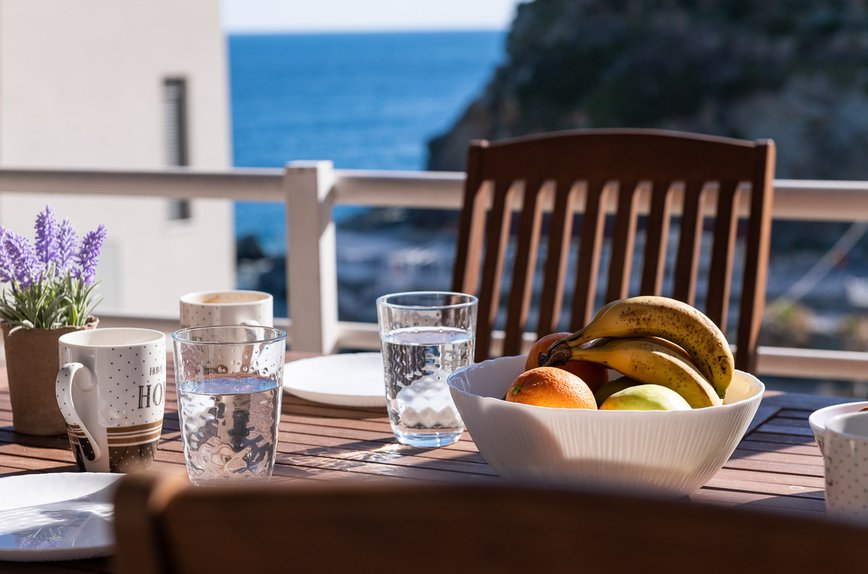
{"x":177,"y":152}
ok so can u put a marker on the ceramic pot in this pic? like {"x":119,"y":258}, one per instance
{"x":32,"y":361}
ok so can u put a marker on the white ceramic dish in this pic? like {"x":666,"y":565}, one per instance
{"x":673,"y":452}
{"x":59,"y":516}
{"x":350,"y":380}
{"x":819,"y":418}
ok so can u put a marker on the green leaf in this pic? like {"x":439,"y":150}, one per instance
{"x":49,"y":303}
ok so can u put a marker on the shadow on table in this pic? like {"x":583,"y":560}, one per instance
{"x":65,"y":468}
{"x":386,"y":458}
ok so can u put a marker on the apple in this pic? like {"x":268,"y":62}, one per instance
{"x":611,"y":387}
{"x":645,"y":398}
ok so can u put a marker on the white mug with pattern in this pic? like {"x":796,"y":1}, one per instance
{"x":233,"y":307}
{"x":111,"y":389}
{"x":845,"y":455}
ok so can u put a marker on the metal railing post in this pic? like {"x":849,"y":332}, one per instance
{"x":310,"y":256}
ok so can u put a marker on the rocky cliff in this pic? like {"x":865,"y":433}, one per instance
{"x":794,"y":71}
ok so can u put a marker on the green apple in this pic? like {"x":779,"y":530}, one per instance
{"x":645,"y":398}
{"x":611,"y":387}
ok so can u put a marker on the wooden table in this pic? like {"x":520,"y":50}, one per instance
{"x":777,"y":465}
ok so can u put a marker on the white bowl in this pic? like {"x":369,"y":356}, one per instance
{"x":673,"y":452}
{"x":819,"y":418}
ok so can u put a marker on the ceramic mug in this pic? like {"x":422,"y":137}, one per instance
{"x":818,"y":419}
{"x":212,"y":308}
{"x":111,"y":389}
{"x":845,"y":455}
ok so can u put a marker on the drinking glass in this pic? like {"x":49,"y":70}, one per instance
{"x":229,"y":381}
{"x":425,"y":336}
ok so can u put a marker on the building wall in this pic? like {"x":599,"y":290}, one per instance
{"x":81,"y":86}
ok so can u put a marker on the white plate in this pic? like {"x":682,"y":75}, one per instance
{"x":350,"y":380}
{"x":59,"y":516}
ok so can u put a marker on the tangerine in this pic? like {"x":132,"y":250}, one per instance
{"x":592,"y":374}
{"x":551,"y":387}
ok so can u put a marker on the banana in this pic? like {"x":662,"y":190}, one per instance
{"x":673,"y":348}
{"x":647,"y":360}
{"x":661,"y":317}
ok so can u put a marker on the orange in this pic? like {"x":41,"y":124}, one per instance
{"x":551,"y":387}
{"x":593,"y":374}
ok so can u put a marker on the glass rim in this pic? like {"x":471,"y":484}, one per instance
{"x":272,"y":334}
{"x":470,"y":301}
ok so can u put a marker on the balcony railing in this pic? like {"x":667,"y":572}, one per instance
{"x":311,"y":190}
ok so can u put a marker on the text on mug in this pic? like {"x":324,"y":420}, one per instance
{"x":150,"y":395}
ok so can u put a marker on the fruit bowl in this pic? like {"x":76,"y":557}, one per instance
{"x":671,"y":452}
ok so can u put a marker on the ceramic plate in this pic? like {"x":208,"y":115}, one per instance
{"x":59,"y":516}
{"x":350,"y":380}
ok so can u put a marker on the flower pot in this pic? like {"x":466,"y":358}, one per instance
{"x":32,"y":362}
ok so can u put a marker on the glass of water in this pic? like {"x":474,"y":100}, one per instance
{"x":425,"y":335}
{"x":230,"y":382}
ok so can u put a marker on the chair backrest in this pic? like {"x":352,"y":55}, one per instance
{"x":707,"y":182}
{"x":165,"y":527}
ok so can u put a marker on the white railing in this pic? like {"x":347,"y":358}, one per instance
{"x":311,"y":190}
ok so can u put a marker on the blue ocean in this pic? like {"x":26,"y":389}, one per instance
{"x":364,"y":101}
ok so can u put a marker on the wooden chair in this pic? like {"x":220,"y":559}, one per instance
{"x":165,"y":526}
{"x":709,"y":182}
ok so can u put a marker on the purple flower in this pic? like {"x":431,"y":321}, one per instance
{"x":50,"y":280}
{"x":46,"y":236}
{"x":88,"y":255}
{"x":67,"y":242}
{"x":25,"y":267}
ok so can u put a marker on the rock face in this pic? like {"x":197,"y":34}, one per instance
{"x":796,"y":72}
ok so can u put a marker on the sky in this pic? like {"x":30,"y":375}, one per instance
{"x":362,"y":15}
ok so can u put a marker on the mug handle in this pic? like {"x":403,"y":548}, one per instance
{"x":64,"y":383}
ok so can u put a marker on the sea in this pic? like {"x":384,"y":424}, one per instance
{"x":361,"y":100}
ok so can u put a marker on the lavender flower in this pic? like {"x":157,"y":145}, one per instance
{"x":67,"y":242}
{"x":25,"y":266}
{"x":46,"y":236}
{"x":88,"y":255}
{"x":51,"y":281}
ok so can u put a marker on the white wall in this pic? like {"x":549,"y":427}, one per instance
{"x":81,"y":85}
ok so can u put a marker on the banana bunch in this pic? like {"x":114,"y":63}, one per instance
{"x":656,"y":340}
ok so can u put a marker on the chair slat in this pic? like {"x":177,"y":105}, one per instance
{"x":497,"y":237}
{"x":689,"y":241}
{"x":524,"y":267}
{"x":587,"y":268}
{"x":623,"y":241}
{"x":756,"y":257}
{"x":656,"y":238}
{"x":722,"y":254}
{"x":557,"y":257}
{"x":465,"y":273}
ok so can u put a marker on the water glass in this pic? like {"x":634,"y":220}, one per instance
{"x":230,"y":382}
{"x":425,"y":336}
